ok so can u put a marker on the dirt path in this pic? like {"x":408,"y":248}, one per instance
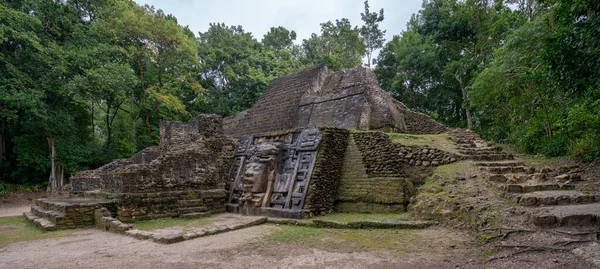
{"x":429,"y":248}
{"x":14,"y":211}
{"x":97,"y":249}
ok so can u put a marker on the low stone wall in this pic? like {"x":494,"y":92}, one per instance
{"x":189,"y":168}
{"x":324,"y":182}
{"x":383,"y":158}
{"x":92,"y":179}
{"x":146,"y":155}
{"x":418,"y":123}
{"x":143,"y":206}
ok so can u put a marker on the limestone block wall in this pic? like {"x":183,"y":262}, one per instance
{"x":325,"y":179}
{"x":418,"y":123}
{"x":196,"y":171}
{"x":189,"y":166}
{"x":363,"y":194}
{"x":144,"y":206}
{"x":146,"y":155}
{"x":384,"y":158}
{"x":351,"y":99}
{"x":92,"y":179}
{"x":310,"y":98}
{"x":379,"y":176}
{"x":277,"y":108}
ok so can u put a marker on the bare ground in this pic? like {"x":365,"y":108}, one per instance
{"x":238,"y":249}
{"x":17,"y":200}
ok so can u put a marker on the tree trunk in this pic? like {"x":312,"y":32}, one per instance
{"x":465,"y":96}
{"x":56,"y":179}
{"x":467,"y":109}
{"x":108,"y":130}
{"x":133,"y":120}
{"x":2,"y":142}
{"x":93,"y":127}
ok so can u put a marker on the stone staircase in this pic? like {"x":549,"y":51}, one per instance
{"x":192,"y":208}
{"x":472,"y":147}
{"x":553,"y":197}
{"x":51,"y":214}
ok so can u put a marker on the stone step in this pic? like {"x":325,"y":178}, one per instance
{"x":543,"y":198}
{"x":523,"y":188}
{"x":500,"y":164}
{"x":489,"y":157}
{"x":98,"y":194}
{"x":466,"y":143}
{"x":55,"y":217}
{"x":51,"y":205}
{"x":188,"y":210}
{"x":195,"y":215}
{"x":569,"y":216}
{"x":43,"y":223}
{"x":534,"y":178}
{"x":478,"y":151}
{"x":504,"y":169}
{"x":191,"y":203}
{"x":490,"y":149}
{"x":66,"y":205}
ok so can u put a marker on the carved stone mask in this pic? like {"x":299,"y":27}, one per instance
{"x":255,"y":177}
{"x":259,"y":167}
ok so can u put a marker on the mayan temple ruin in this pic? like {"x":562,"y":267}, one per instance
{"x":313,"y":144}
{"x":286,"y":156}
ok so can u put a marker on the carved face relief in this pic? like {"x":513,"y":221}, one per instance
{"x":259,"y":174}
{"x":255,"y":178}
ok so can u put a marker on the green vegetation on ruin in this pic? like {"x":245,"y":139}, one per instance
{"x":380,"y":241}
{"x":439,"y":141}
{"x":17,"y":229}
{"x":346,"y":217}
{"x":457,"y":195}
{"x":541,"y":161}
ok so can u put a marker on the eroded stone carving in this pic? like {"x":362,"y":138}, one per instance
{"x":259,"y":175}
{"x":272,"y":174}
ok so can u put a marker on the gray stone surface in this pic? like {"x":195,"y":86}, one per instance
{"x":569,"y":215}
{"x":349,"y":98}
{"x":216,"y":224}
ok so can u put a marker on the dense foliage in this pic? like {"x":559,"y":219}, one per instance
{"x":522,"y":72}
{"x":91,"y":79}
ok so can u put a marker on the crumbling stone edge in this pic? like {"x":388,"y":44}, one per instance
{"x":357,"y":224}
{"x":170,"y":238}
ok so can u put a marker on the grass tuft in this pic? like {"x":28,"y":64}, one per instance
{"x":346,"y":217}
{"x":439,"y":141}
{"x":18,"y":229}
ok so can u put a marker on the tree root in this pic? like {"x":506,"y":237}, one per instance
{"x":566,"y":243}
{"x":505,"y":235}
{"x":526,"y":249}
{"x":575,"y":234}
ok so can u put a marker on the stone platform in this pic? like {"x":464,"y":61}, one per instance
{"x":66,"y":213}
{"x":216,"y":224}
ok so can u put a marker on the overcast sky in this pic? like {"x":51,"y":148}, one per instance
{"x":302,"y":16}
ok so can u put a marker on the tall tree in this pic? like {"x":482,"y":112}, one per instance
{"x":339,"y":45}
{"x":279,"y":38}
{"x":371,"y":33}
{"x":235,"y":68}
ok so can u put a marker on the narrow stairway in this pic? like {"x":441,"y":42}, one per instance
{"x":554,"y":197}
